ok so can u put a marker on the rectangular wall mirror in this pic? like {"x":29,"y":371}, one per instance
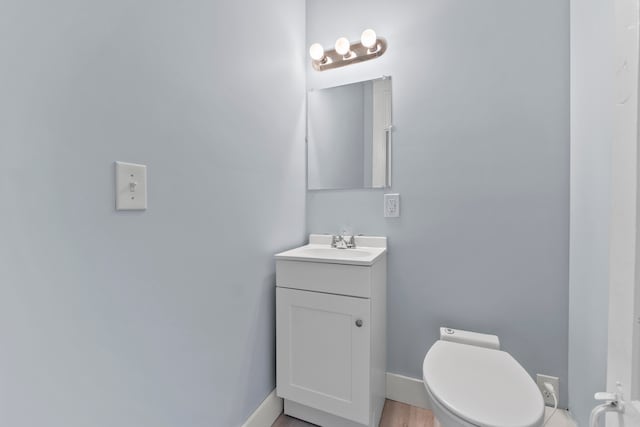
{"x":349,"y":136}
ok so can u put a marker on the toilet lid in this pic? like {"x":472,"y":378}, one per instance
{"x":485,"y":387}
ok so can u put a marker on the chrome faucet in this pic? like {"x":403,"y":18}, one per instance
{"x":340,"y":241}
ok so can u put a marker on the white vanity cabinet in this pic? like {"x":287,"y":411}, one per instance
{"x":331,"y":332}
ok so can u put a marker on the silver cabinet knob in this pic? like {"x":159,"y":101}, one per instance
{"x":359,"y":323}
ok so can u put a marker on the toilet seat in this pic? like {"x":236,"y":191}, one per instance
{"x":484,"y":387}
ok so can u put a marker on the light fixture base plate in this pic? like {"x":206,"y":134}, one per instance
{"x":359,"y":53}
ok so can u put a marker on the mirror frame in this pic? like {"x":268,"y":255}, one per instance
{"x":387,"y":129}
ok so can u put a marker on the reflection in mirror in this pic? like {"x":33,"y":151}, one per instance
{"x":349,"y":136}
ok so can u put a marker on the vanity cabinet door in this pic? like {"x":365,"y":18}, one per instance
{"x":323,"y":352}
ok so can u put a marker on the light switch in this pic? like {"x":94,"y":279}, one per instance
{"x":131,"y":186}
{"x":392,"y":205}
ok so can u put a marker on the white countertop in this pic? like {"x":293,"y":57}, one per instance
{"x":367,"y":251}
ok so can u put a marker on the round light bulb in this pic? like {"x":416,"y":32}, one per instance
{"x":369,"y":38}
{"x":343,"y":46}
{"x":316,"y":51}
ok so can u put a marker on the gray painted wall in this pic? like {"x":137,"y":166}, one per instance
{"x":161,"y":318}
{"x":592,"y":132}
{"x":481,"y":160}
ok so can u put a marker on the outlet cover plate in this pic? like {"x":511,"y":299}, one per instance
{"x":554,"y":381}
{"x":392,"y":205}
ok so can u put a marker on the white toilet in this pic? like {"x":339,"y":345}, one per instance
{"x":472,"y":383}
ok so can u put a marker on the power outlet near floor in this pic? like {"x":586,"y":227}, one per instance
{"x":546,"y":396}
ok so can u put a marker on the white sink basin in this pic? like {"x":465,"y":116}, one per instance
{"x":320,"y":250}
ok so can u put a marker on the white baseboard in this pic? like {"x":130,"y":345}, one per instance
{"x":407,"y":390}
{"x":399,"y":388}
{"x":267,"y":413}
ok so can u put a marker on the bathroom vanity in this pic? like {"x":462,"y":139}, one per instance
{"x":331,"y":331}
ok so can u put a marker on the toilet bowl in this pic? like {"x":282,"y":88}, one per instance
{"x":478,"y":385}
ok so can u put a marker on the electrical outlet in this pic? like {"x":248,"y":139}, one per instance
{"x":391,"y":205}
{"x":554,"y":381}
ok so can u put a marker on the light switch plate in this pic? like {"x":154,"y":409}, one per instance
{"x":131,"y":186}
{"x":392,"y":205}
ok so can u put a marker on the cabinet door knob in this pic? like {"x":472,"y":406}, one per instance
{"x":359,"y":323}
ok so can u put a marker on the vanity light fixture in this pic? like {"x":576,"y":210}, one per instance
{"x":345,"y":52}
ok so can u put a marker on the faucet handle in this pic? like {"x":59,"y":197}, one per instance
{"x":604,"y":396}
{"x":351,"y":242}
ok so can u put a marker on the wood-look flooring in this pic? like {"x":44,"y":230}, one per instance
{"x":395,"y":414}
